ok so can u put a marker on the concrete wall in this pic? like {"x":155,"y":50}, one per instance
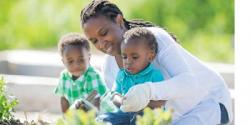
{"x":32,"y":76}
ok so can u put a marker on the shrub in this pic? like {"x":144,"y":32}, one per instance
{"x":155,"y":117}
{"x":78,"y":117}
{"x":7,"y":104}
{"x":150,"y":117}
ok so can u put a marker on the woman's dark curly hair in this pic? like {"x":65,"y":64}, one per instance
{"x":110,"y":10}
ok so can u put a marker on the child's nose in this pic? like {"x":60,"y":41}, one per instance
{"x":77,"y":64}
{"x":129,"y":62}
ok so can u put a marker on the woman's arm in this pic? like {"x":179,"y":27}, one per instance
{"x":117,"y":99}
{"x":110,"y":70}
{"x":182,"y":84}
{"x":64,"y":104}
{"x":172,"y":59}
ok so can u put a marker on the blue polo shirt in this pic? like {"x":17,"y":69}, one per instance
{"x":125,"y":80}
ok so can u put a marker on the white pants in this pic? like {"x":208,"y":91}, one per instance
{"x":205,"y":113}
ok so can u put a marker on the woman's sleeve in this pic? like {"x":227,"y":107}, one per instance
{"x":117,"y":83}
{"x":109,"y":71}
{"x":182,"y":81}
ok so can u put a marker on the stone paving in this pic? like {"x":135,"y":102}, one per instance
{"x":48,"y":117}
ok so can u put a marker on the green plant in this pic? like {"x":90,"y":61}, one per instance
{"x":78,"y":117}
{"x":150,"y":117}
{"x":203,"y":27}
{"x":155,"y":117}
{"x":7,"y":104}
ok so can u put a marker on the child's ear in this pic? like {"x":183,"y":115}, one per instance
{"x":151,"y":55}
{"x":62,"y":61}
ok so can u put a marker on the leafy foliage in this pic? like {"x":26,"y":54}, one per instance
{"x":36,"y":24}
{"x":204,"y":27}
{"x":78,"y":117}
{"x":155,"y":117}
{"x":6,"y":105}
{"x":150,"y":117}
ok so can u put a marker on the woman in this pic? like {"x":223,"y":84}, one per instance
{"x":197,"y":94}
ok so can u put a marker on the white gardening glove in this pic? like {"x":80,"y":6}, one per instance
{"x":137,"y":98}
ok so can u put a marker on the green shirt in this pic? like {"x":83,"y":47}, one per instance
{"x":125,"y":80}
{"x":81,"y":87}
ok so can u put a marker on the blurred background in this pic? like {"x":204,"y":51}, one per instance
{"x":204,"y":27}
{"x":30,"y":30}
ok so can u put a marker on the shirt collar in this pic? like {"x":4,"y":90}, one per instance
{"x":90,"y":68}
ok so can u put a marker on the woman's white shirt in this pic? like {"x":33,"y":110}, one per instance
{"x":188,"y":81}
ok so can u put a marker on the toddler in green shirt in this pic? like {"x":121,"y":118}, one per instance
{"x":79,"y":79}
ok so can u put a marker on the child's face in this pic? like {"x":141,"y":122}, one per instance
{"x":136,"y":56}
{"x":76,"y":60}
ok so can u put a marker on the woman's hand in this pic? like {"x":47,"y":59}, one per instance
{"x":137,"y":98}
{"x":117,"y":99}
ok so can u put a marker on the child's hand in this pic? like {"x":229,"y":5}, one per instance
{"x":137,"y":98}
{"x":156,"y":104}
{"x":91,"y":97}
{"x":96,"y":102}
{"x":79,"y":104}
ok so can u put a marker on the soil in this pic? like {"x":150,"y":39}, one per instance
{"x":11,"y":122}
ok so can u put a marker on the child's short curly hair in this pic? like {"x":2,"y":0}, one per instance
{"x":141,"y":34}
{"x":73,"y":39}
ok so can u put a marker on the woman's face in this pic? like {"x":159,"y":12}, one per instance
{"x":105,"y":34}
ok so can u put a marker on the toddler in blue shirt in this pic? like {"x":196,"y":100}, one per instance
{"x":138,"y":50}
